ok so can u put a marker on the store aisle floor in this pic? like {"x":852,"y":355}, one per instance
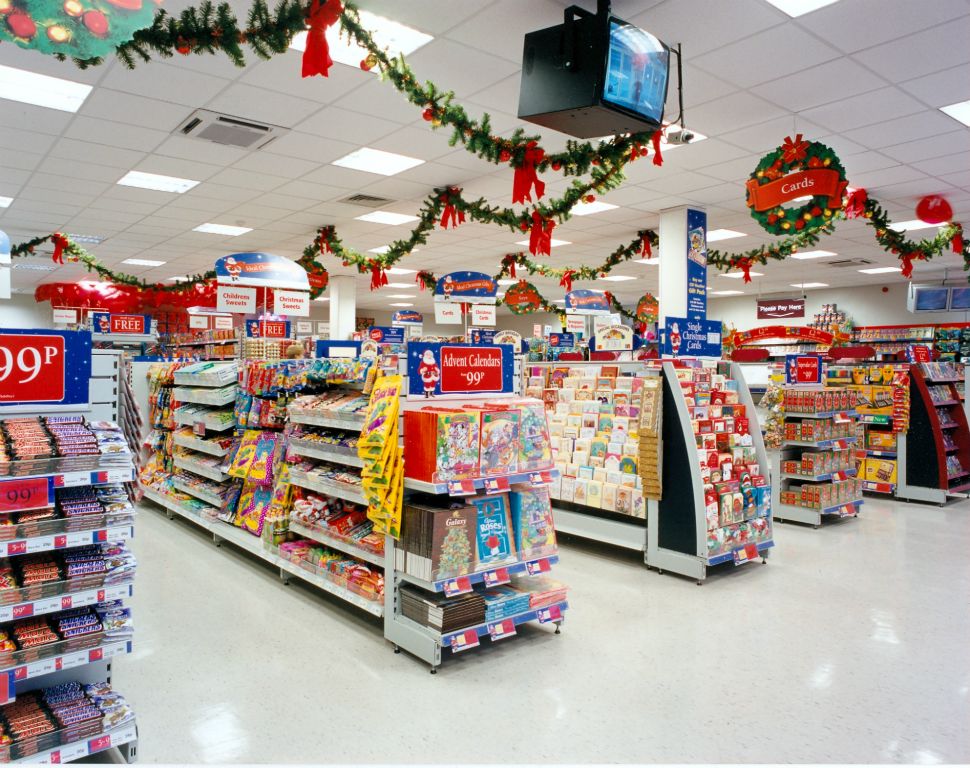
{"x":850,"y":646}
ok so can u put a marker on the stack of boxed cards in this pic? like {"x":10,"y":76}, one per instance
{"x":651,"y":411}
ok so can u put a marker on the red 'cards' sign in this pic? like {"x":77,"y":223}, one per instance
{"x":475,"y":369}
{"x":31,"y":368}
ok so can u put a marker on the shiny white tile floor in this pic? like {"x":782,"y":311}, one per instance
{"x":850,"y":646}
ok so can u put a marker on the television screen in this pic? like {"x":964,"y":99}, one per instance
{"x":637,"y":67}
{"x":931,"y":299}
{"x":960,"y":298}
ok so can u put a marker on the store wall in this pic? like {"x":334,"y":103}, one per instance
{"x":21,"y":311}
{"x":865,"y":305}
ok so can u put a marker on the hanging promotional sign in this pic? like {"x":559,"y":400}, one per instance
{"x":523,"y":298}
{"x":232,"y":299}
{"x":292,"y":303}
{"x":483,"y":314}
{"x":770,"y":309}
{"x":683,"y":337}
{"x":448,"y":370}
{"x":918,"y":353}
{"x":576,"y":324}
{"x":386,"y":334}
{"x":199,"y":322}
{"x":479,"y":336}
{"x":696,"y":263}
{"x":268,"y":329}
{"x":323,"y":329}
{"x":803,"y":369}
{"x":104,"y":322}
{"x":304,"y":327}
{"x":44,"y":368}
{"x":614,"y":338}
{"x":562,"y":340}
{"x":222,"y":323}
{"x":447,"y":314}
{"x":782,"y":332}
{"x":648,"y":309}
{"x":468,"y":287}
{"x":512,"y":338}
{"x":261,"y":270}
{"x":407,"y":317}
{"x":65,"y":316}
{"x":584,"y":301}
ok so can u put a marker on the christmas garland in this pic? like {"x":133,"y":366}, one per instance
{"x":782,"y":249}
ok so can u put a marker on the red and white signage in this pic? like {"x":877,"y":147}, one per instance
{"x":24,"y":494}
{"x":447,"y":314}
{"x":233,"y":299}
{"x":32,"y":368}
{"x":222,"y":323}
{"x":483,"y":314}
{"x":292,"y":303}
{"x":128,"y":324}
{"x":65,"y":316}
{"x":200,"y":322}
{"x":274,"y":329}
{"x":803,"y":369}
{"x":575,"y":324}
{"x":471,"y":369}
{"x":304,"y":327}
{"x":769,"y":309}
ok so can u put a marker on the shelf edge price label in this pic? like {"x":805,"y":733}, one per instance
{"x":745,"y":554}
{"x":100,"y":743}
{"x":23,"y":494}
{"x":535,"y":567}
{"x":96,"y":654}
{"x":463,"y":641}
{"x":23,"y":610}
{"x":496,"y":577}
{"x":499,"y":630}
{"x":458,"y":586}
{"x":16,"y":547}
{"x":55,"y":757}
{"x":540,"y":478}
{"x":461,"y":488}
{"x":552,"y":613}
{"x":496,"y":485}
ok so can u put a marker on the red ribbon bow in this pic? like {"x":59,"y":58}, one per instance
{"x":655,"y":140}
{"x":525,"y":175}
{"x":794,"y":149}
{"x":60,"y":243}
{"x":420,"y":279}
{"x":855,"y":203}
{"x":540,"y":236}
{"x":645,"y":250}
{"x":378,"y":277}
{"x":957,"y":241}
{"x":745,"y":266}
{"x":316,"y":56}
{"x":451,"y":216}
{"x":908,"y":259}
{"x":566,"y":281}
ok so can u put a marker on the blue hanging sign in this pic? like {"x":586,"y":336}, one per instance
{"x":105,"y":323}
{"x":42,"y":368}
{"x":407,"y":317}
{"x":386,"y":334}
{"x":584,"y":301}
{"x":470,"y":287}
{"x":694,"y":337}
{"x":441,"y":369}
{"x":264,"y":270}
{"x":481,"y":336}
{"x":338,"y":348}
{"x":562,"y":340}
{"x":696,"y":263}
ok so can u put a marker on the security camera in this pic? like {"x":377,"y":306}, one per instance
{"x":682,"y":136}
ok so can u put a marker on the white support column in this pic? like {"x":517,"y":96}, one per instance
{"x":672,"y":296}
{"x":343,"y":306}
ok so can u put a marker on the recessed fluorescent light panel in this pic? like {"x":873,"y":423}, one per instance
{"x":143,"y":262}
{"x":5,"y":202}
{"x":42,"y":90}
{"x":739,"y":275}
{"x":959,"y":111}
{"x":222,"y":229}
{"x":177,"y":278}
{"x":322,"y":298}
{"x":387,"y":217}
{"x":723,"y":234}
{"x":382,"y":249}
{"x":597,"y":206}
{"x":87,"y":239}
{"x":809,"y":285}
{"x":880,"y":270}
{"x":399,"y":285}
{"x":552,"y":243}
{"x":34,"y":267}
{"x":400,"y":296}
{"x":617,"y":278}
{"x":400,"y":304}
{"x":795,"y":8}
{"x":377,"y":161}
{"x":507,"y":281}
{"x":909,"y":226}
{"x":157,"y":182}
{"x":813,"y":254}
{"x":653,"y":261}
{"x":727,"y":293}
{"x":394,"y":37}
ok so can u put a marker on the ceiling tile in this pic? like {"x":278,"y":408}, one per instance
{"x":932,"y":50}
{"x":102,"y":154}
{"x":865,"y":109}
{"x":941,"y":88}
{"x":489,"y":31}
{"x":167,"y":83}
{"x":134,"y":110}
{"x":262,"y":105}
{"x":464,"y":70}
{"x":729,"y":113}
{"x":723,"y":23}
{"x":819,"y":85}
{"x":342,"y":125}
{"x":114,"y":134}
{"x":931,"y":146}
{"x":903,"y":129}
{"x":200,"y":151}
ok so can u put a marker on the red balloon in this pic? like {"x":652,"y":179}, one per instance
{"x":934,"y":209}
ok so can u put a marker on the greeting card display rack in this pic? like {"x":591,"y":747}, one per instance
{"x":934,"y":460}
{"x":815,"y":475}
{"x":679,"y":537}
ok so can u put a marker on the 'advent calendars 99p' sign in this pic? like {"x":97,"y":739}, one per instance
{"x":444,"y":370}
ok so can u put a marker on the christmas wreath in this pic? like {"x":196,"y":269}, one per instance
{"x":796,"y":169}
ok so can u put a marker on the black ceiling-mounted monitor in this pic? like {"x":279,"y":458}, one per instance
{"x":594,"y":75}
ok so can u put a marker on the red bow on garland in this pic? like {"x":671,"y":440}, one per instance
{"x":794,"y":149}
{"x":323,"y":240}
{"x":378,"y":277}
{"x":421,"y":279}
{"x":645,"y":250}
{"x":451,"y":216}
{"x":957,"y":242}
{"x":745,"y":265}
{"x":855,"y":203}
{"x":655,"y":140}
{"x":60,"y":243}
{"x":566,"y":281}
{"x":525,"y":175}
{"x":316,"y":56}
{"x":908,"y":259}
{"x":508,"y":261}
{"x":540,"y":236}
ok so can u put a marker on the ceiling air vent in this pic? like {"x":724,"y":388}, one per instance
{"x":848,"y":263}
{"x":366,"y":201}
{"x":229,"y":131}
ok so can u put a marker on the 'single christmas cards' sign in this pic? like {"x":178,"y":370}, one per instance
{"x":103,"y":322}
{"x":694,"y":337}
{"x":264,"y":270}
{"x":385,"y":334}
{"x":583,"y":301}
{"x":696,"y":263}
{"x":774,"y":308}
{"x":407,"y":317}
{"x":268,"y":329}
{"x":803,"y":369}
{"x":40,"y":367}
{"x":471,"y":287}
{"x":457,"y":370}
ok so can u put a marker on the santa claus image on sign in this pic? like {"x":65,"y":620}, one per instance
{"x":104,"y":324}
{"x":448,"y":286}
{"x":429,"y":372}
{"x":233,"y":268}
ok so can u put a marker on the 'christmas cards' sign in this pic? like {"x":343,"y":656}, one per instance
{"x":694,"y":337}
{"x":469,"y":287}
{"x":774,"y":308}
{"x":103,"y":322}
{"x":438,"y":369}
{"x":803,"y":369}
{"x":264,"y":270}
{"x":44,"y":368}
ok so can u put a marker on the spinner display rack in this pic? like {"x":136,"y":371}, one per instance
{"x":935,"y":460}
{"x":821,"y":466}
{"x":677,"y":525}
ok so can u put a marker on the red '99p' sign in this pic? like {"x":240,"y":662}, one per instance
{"x":31,"y":368}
